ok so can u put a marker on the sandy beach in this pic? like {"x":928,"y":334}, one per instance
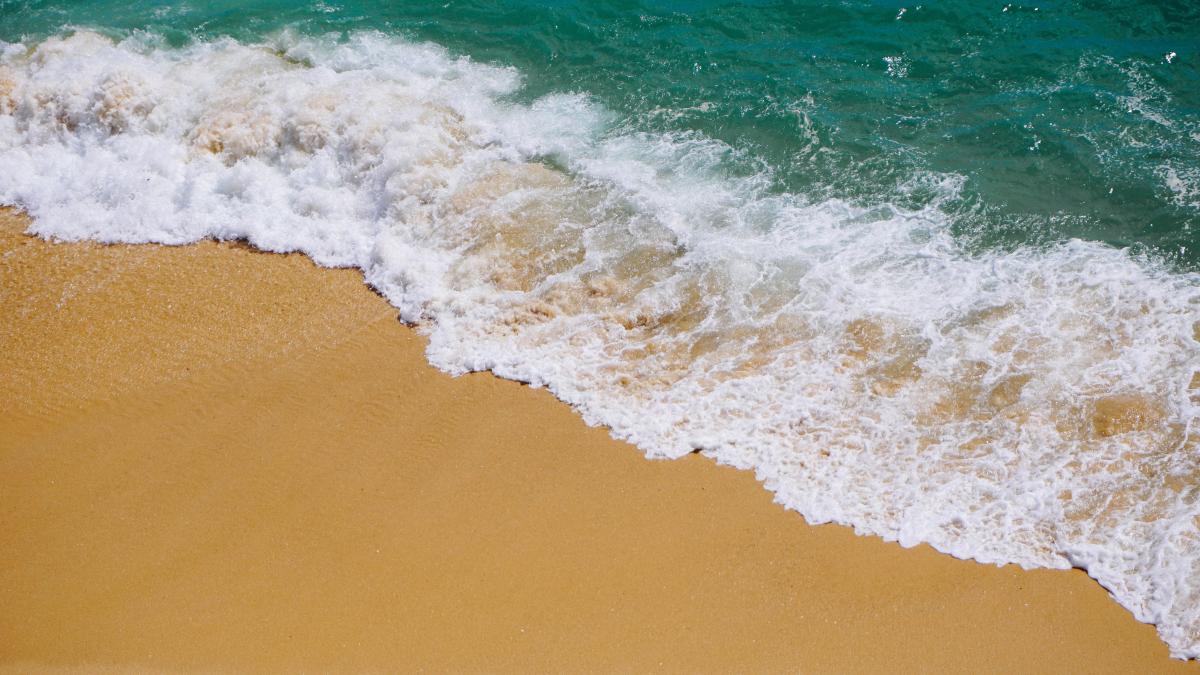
{"x":221,"y":460}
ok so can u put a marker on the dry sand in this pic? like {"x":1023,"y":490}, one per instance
{"x":221,"y":460}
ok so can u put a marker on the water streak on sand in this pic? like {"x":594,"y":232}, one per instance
{"x":1034,"y":406}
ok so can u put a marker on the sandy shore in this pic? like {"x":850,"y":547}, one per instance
{"x":215,"y":460}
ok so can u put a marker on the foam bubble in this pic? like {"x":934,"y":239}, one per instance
{"x":1034,"y":406}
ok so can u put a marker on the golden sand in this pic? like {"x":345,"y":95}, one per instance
{"x":220,"y":460}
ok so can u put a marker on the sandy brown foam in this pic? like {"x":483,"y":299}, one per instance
{"x":218,"y":460}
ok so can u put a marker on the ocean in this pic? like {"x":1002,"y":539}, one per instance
{"x":930,"y":271}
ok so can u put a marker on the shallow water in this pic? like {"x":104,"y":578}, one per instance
{"x":880,"y":257}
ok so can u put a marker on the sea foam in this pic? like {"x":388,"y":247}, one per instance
{"x":1033,"y":406}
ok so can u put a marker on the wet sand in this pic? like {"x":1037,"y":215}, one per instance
{"x":215,"y":459}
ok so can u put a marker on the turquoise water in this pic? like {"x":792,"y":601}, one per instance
{"x":929,"y":270}
{"x":1066,"y":119}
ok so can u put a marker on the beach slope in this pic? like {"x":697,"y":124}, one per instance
{"x":215,"y":459}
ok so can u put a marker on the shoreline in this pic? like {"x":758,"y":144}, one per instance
{"x":222,"y":459}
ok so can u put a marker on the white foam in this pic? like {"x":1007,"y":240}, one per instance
{"x":1184,"y":184}
{"x":1031,"y":407}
